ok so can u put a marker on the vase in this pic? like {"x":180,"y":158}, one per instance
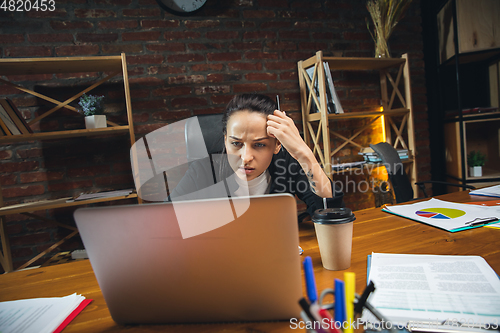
{"x":381,"y":48}
{"x":476,"y":171}
{"x":96,"y":121}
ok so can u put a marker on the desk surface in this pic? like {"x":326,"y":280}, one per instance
{"x":374,"y":231}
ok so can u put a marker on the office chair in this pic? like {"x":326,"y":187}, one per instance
{"x":211,"y":129}
{"x":397,"y":175}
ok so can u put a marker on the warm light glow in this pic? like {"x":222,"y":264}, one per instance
{"x":382,"y":120}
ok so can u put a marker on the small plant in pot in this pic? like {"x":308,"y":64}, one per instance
{"x":92,"y":107}
{"x":475,"y":161}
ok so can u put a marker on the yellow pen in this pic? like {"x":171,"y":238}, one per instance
{"x":350,"y":289}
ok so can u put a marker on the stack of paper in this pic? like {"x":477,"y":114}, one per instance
{"x":427,"y":290}
{"x":39,"y":315}
{"x":446,"y":215}
{"x":100,"y":195}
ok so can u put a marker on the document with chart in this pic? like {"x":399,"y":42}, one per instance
{"x":425,"y":290}
{"x":447,"y":215}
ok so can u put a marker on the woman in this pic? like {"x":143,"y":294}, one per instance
{"x":264,"y":153}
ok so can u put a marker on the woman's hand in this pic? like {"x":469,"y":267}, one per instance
{"x":282,"y":127}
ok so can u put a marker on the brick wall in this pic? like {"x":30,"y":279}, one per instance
{"x":179,"y":67}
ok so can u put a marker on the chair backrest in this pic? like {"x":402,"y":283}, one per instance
{"x":212,"y":131}
{"x":395,"y":170}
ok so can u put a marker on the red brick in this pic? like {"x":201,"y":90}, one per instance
{"x":186,"y":57}
{"x":295,"y":34}
{"x":249,"y":87}
{"x":312,"y":46}
{"x":201,"y":24}
{"x":206,"y":67}
{"x":176,"y":35}
{"x":281,"y":65}
{"x":50,"y":38}
{"x":240,"y":24}
{"x":123,"y":3}
{"x":226,"y":56}
{"x":258,"y":14}
{"x":261,"y":76}
{"x":5,"y":154}
{"x":166,"y":47}
{"x":166,"y":69}
{"x":8,"y":90}
{"x":24,"y":166}
{"x":247,"y":46}
{"x":121,"y":167}
{"x":172,"y":91}
{"x":221,"y":99}
{"x":145,"y":81}
{"x":29,"y":153}
{"x":11,"y":38}
{"x":263,"y":35}
{"x":356,"y":35}
{"x":145,"y":59}
{"x":145,"y":12}
{"x":274,"y":45}
{"x":245,"y":66}
{"x":23,"y":191}
{"x":275,"y":25}
{"x":223,"y":77}
{"x":70,"y":25}
{"x":28,"y":51}
{"x":150,"y":104}
{"x":6,"y":180}
{"x":147,"y":128}
{"x":140,"y":117}
{"x":47,"y":14}
{"x":261,"y":55}
{"x":96,"y":38}
{"x":222,"y":34}
{"x":186,"y":79}
{"x":188,"y":101}
{"x":144,"y":35}
{"x":77,"y":50}
{"x":284,"y":85}
{"x":94,"y":13}
{"x":171,"y":115}
{"x":122,"y":24}
{"x":151,"y":24}
{"x":222,"y":89}
{"x":273,"y":3}
{"x":119,"y":48}
{"x":205,"y":46}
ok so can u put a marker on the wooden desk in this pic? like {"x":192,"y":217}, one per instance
{"x":374,"y":231}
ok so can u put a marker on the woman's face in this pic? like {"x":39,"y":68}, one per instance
{"x":250,"y":150}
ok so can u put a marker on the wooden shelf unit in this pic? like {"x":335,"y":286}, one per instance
{"x":111,"y":66}
{"x":389,"y":87}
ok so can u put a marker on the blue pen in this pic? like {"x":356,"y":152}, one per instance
{"x":312,"y":293}
{"x":340,"y":311}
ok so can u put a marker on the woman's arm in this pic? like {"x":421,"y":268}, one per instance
{"x":283,"y":128}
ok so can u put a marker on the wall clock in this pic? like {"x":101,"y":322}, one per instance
{"x":181,"y":7}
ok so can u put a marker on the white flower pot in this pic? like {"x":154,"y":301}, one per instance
{"x":96,"y":121}
{"x":476,"y":171}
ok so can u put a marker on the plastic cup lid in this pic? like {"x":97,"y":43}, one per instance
{"x":333,"y":216}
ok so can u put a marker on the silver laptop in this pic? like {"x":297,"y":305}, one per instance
{"x":247,"y":269}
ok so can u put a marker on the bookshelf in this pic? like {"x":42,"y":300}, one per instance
{"x":110,"y":66}
{"x":396,"y":107}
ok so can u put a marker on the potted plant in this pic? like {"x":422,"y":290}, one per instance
{"x":475,"y":161}
{"x":92,"y":106}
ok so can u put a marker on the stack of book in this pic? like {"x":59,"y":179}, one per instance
{"x":11,"y":120}
{"x":370,"y":156}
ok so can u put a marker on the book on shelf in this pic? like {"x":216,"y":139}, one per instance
{"x":11,"y":119}
{"x":371,"y":156}
{"x":101,"y":195}
{"x":332,"y":99}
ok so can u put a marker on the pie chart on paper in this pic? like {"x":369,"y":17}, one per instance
{"x":440,"y":213}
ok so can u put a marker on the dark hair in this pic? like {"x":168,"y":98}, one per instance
{"x":248,"y":102}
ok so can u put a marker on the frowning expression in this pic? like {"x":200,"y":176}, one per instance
{"x":249,"y":146}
